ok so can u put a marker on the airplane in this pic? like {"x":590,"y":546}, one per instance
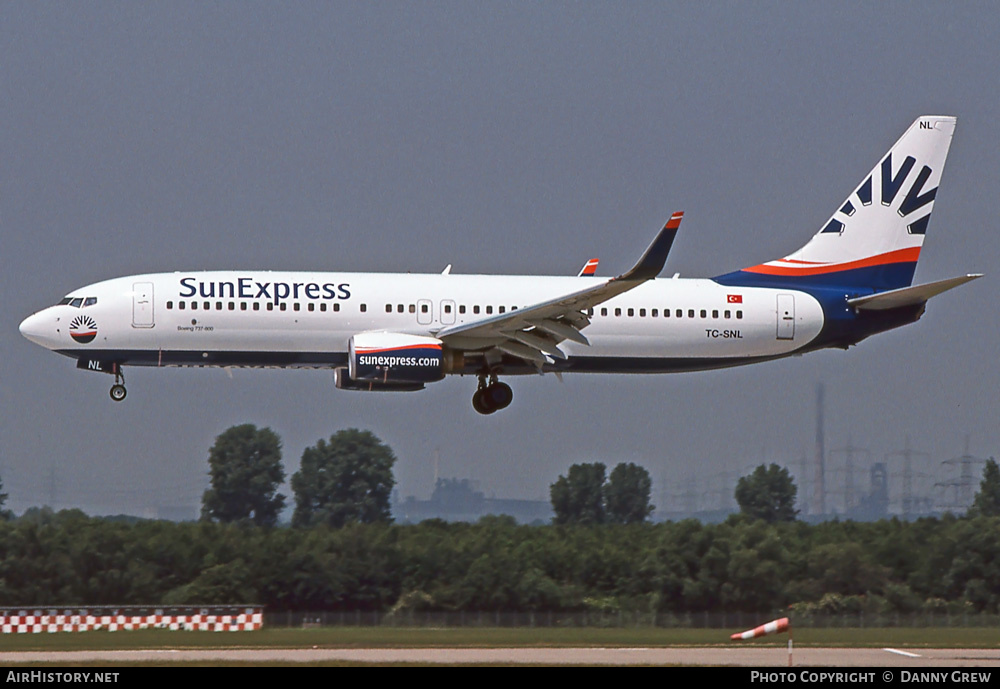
{"x":383,"y":332}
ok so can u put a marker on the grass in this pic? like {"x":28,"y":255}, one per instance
{"x":453,"y":637}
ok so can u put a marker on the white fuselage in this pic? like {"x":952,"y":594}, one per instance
{"x":257,"y":318}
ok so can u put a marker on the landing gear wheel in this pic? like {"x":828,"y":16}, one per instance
{"x":493,"y":397}
{"x":500,"y":395}
{"x":480,"y":402}
{"x":118,"y":391}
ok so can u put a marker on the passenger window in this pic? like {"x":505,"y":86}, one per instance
{"x":194,"y":306}
{"x":727,"y":313}
{"x":461,"y":309}
{"x":739,"y":314}
{"x":475,"y":309}
{"x":413,"y":308}
{"x":501,"y":309}
{"x":336,"y":307}
{"x":690,"y":313}
{"x":678,"y":313}
{"x":232,"y":306}
{"x":642,"y":313}
{"x":364,"y":308}
{"x":590,"y":311}
{"x":170,"y":305}
{"x":270,"y":306}
{"x":631,"y":312}
{"x":604,"y":311}
{"x":296,"y":306}
{"x":388,"y":308}
{"x":243,"y":306}
{"x":311,"y":307}
{"x":489,"y":309}
{"x":208,"y":306}
{"x":218,"y":306}
{"x":618,"y":311}
{"x":447,"y":308}
{"x":423,"y":308}
{"x":256,"y":306}
{"x":715,"y":313}
{"x":322,"y":307}
{"x":180,"y":305}
{"x":282,"y":306}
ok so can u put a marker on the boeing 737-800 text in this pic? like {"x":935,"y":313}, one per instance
{"x":399,"y":332}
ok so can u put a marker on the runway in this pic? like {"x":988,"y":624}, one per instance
{"x":734,"y":656}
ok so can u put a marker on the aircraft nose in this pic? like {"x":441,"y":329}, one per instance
{"x":34,"y":328}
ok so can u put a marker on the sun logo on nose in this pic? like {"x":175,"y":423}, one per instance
{"x":83,"y":329}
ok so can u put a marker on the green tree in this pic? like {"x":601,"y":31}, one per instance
{"x":578,"y":497}
{"x":348,"y":479}
{"x":768,"y":493}
{"x":246,"y":471}
{"x":987,"y":500}
{"x":626,"y":494}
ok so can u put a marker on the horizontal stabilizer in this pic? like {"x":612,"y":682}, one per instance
{"x":909,"y":296}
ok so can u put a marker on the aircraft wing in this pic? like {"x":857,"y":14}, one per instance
{"x":535,"y":331}
{"x":909,"y":296}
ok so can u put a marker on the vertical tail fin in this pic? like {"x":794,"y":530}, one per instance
{"x":873,"y":239}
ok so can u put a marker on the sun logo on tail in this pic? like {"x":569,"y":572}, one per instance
{"x":83,"y":329}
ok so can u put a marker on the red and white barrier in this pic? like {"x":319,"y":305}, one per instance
{"x":82,"y":620}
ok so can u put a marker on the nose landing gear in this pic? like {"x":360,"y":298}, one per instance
{"x":491,"y":397}
{"x":118,"y":390}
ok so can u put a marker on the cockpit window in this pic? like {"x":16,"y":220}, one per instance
{"x":76,"y":302}
{"x":90,"y":301}
{"x":65,"y":300}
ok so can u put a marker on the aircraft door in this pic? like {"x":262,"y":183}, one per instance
{"x":447,"y":314}
{"x":142,"y":305}
{"x":786,"y":316}
{"x":425,"y":311}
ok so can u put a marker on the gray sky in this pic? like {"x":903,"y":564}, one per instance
{"x":502,"y":138}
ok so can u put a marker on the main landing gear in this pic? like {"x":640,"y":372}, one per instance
{"x":491,"y":397}
{"x":118,"y":390}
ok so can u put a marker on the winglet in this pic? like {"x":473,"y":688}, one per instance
{"x":589,"y":269}
{"x":652,"y":262}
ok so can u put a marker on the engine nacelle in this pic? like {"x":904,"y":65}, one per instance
{"x":388,"y":358}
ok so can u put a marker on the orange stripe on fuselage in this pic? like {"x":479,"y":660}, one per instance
{"x":380,"y":350}
{"x":899,"y":256}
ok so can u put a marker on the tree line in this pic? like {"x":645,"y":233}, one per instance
{"x":944,"y":564}
{"x":342,"y":553}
